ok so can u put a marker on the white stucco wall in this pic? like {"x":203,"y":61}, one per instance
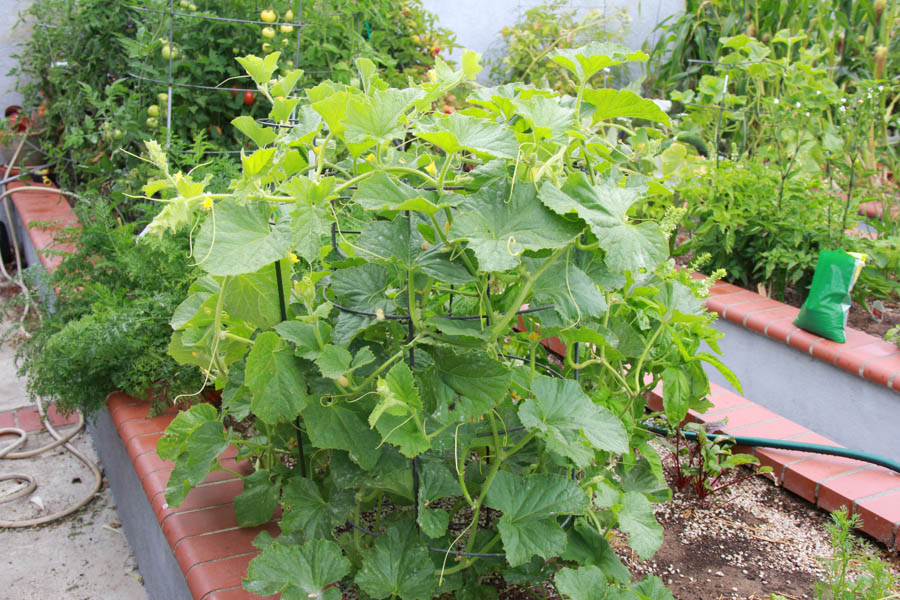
{"x":477,"y":23}
{"x":12,"y":33}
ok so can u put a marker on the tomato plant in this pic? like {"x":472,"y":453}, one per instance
{"x":375,"y":307}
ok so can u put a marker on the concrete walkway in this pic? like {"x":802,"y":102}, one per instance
{"x":83,"y":556}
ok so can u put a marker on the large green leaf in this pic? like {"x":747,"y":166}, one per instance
{"x":397,"y":414}
{"x":584,"y":583}
{"x":309,"y":512}
{"x":381,"y":192}
{"x":604,"y":208}
{"x":676,"y":395}
{"x":588,"y":60}
{"x":398,"y":565}
{"x":256,"y":504}
{"x":363,"y":288}
{"x":436,"y":481}
{"x":530,"y":506}
{"x":197,"y":310}
{"x":253,"y":297}
{"x":275,"y":379}
{"x":309,"y":224}
{"x":575,"y":298}
{"x":590,"y":583}
{"x":396,"y":241}
{"x":457,"y":131}
{"x":174,"y":440}
{"x":338,"y":427}
{"x":379,"y":116}
{"x":298,"y":572}
{"x":303,"y":336}
{"x":548,"y":118}
{"x":334,"y":361}
{"x":587,"y":546}
{"x":499,"y":224}
{"x":569,"y":422}
{"x":645,"y":534}
{"x":260,"y":69}
{"x":201,"y":450}
{"x":247,"y":125}
{"x":612,"y":104}
{"x":480,"y":381}
{"x":238,"y":239}
{"x":651,"y":587}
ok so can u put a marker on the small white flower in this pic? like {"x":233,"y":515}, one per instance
{"x":843,"y":109}
{"x":880,"y":88}
{"x":775,"y":101}
{"x":843,"y":100}
{"x":797,"y":105}
{"x":807,"y":114}
{"x":818,"y":92}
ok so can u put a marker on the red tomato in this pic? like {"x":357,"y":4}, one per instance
{"x":249,"y":98}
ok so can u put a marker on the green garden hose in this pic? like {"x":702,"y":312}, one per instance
{"x":800,"y":446}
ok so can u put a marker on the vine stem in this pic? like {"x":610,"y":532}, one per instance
{"x":482,"y":291}
{"x":640,"y":362}
{"x":502,"y":326}
{"x":470,"y":560}
{"x":495,"y":467}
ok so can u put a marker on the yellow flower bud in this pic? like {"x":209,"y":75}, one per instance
{"x":207,"y":203}
{"x":293,"y":258}
{"x":431,"y":169}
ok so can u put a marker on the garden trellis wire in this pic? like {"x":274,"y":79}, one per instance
{"x":170,"y":82}
{"x":414,"y":462}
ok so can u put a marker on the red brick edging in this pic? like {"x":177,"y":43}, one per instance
{"x":212,"y":551}
{"x":50,"y":212}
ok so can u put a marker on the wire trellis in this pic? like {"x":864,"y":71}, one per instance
{"x":170,"y":81}
{"x":410,"y":336}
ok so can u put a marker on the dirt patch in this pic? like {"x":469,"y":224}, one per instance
{"x":757,"y":540}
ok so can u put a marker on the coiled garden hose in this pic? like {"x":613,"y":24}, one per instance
{"x":28,"y":480}
{"x":789,"y":445}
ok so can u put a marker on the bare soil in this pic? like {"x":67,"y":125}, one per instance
{"x":758,"y":539}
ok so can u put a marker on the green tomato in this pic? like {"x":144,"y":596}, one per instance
{"x":268,"y":32}
{"x":153,"y":110}
{"x":152,"y":123}
{"x":162,"y":97}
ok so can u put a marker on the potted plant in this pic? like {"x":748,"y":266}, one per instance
{"x":15,"y":126}
{"x":378,"y":285}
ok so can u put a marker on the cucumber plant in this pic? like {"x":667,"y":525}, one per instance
{"x":380,"y":283}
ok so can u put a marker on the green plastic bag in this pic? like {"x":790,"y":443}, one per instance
{"x":826,"y":308}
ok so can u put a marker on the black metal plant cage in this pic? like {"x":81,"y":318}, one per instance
{"x":414,"y":462}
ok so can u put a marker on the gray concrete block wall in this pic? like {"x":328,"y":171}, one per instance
{"x":832,"y":402}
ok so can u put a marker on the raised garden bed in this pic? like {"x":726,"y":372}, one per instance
{"x":847,"y":392}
